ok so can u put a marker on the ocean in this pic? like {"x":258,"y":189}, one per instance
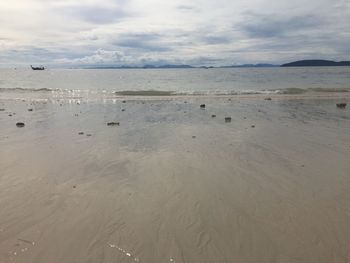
{"x":107,"y":83}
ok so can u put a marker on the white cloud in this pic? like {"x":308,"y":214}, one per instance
{"x":158,"y":31}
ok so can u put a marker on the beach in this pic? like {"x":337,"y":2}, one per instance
{"x":174,"y":182}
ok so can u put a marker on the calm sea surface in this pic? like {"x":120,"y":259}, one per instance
{"x":105,"y":82}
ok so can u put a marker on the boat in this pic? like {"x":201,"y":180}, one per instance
{"x":37,"y":68}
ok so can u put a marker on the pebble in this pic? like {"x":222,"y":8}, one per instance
{"x":81,"y":133}
{"x":202,"y":106}
{"x":113,"y":124}
{"x":20,"y":124}
{"x":213,"y":116}
{"x":341,"y":105}
{"x":268,"y":98}
{"x":30,"y":109}
{"x":228,"y":119}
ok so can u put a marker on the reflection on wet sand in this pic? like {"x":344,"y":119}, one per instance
{"x":173,"y":184}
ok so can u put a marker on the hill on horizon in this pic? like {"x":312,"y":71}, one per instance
{"x":316,"y":63}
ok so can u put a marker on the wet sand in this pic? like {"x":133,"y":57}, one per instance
{"x":174,"y":184}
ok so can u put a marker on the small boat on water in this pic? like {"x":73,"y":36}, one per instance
{"x":37,"y":68}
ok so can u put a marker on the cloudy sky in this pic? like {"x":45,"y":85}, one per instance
{"x":196,"y":32}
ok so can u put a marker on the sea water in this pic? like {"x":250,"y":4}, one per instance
{"x":108,"y":83}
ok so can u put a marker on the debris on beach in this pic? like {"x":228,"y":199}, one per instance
{"x":20,"y":124}
{"x":193,"y":136}
{"x":253,"y":126}
{"x":113,"y":124}
{"x":2,"y":109}
{"x":124,"y":101}
{"x":81,"y":133}
{"x":341,"y":105}
{"x":88,"y":135}
{"x":202,"y":106}
{"x":30,"y":109}
{"x":228,"y":119}
{"x":123,"y":109}
{"x":213,"y":115}
{"x":268,"y":98}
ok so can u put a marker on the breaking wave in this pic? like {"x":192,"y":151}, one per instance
{"x":17,"y":89}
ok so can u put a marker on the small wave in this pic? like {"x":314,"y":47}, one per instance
{"x":320,"y":90}
{"x":292,"y":91}
{"x":330,"y":89}
{"x":25,"y":90}
{"x":145,"y":93}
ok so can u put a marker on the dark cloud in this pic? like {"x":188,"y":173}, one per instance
{"x":95,"y":14}
{"x":214,"y":40}
{"x":143,"y":41}
{"x":265,"y":26}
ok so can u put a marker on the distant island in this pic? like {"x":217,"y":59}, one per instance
{"x":170,"y":66}
{"x":316,"y":63}
{"x":251,"y":66}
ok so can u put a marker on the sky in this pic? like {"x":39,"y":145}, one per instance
{"x":74,"y":33}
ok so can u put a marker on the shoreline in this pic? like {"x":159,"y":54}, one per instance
{"x":308,"y":95}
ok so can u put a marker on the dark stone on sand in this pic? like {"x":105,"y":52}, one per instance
{"x":88,"y":135}
{"x":213,"y":116}
{"x":74,"y":186}
{"x":268,"y":98}
{"x":124,"y":101}
{"x":123,"y":109}
{"x":81,"y":133}
{"x":202,"y":106}
{"x":20,"y":124}
{"x":341,"y":105}
{"x":193,"y":137}
{"x":2,"y":109}
{"x":113,"y":123}
{"x":228,"y":119}
{"x":253,"y":126}
{"x":30,"y":109}
{"x":10,"y":115}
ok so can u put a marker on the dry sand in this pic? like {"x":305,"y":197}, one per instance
{"x":148,"y":191}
